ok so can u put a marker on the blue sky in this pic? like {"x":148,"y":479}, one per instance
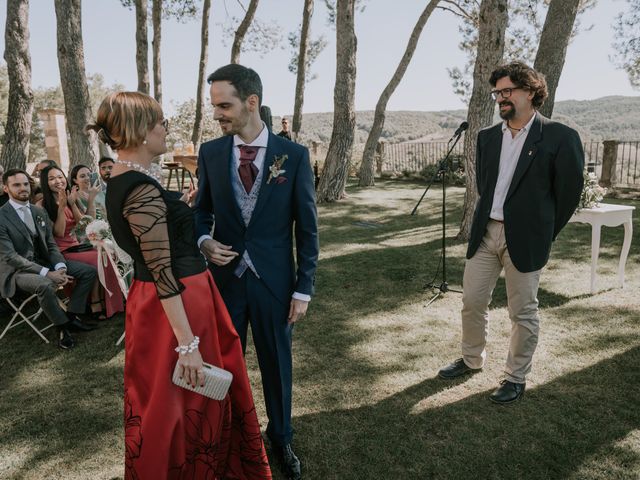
{"x":382,"y":30}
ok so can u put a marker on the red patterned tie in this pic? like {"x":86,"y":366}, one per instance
{"x":247,"y":169}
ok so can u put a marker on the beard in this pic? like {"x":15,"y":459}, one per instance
{"x":507,"y":114}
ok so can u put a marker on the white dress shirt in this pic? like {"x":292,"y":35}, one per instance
{"x":260,"y":142}
{"x":18,"y":208}
{"x":509,"y":155}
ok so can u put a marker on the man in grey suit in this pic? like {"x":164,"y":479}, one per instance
{"x":30,"y":260}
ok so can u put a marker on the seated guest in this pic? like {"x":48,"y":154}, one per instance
{"x":3,"y":196}
{"x":61,"y":203}
{"x":31,"y":262}
{"x":81,"y":177}
{"x":105,"y":165}
{"x":41,"y":165}
{"x":36,"y":194}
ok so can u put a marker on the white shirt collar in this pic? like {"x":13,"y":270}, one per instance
{"x":261,"y":140}
{"x":523,"y":129}
{"x":18,"y":205}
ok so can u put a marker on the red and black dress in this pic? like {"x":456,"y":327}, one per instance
{"x":170,"y":432}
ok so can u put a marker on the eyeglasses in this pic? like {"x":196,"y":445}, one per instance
{"x":165,"y":124}
{"x":504,"y":93}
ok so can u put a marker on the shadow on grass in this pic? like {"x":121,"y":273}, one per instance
{"x":550,"y":434}
{"x":60,"y":406}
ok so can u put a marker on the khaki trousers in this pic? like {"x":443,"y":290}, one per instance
{"x":480,"y":276}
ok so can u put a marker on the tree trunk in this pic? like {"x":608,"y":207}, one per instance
{"x":196,"y":137}
{"x":156,"y":16}
{"x":336,"y":165}
{"x":301,"y":78}
{"x":367,"y":167}
{"x":142,"y":46}
{"x":493,"y":23}
{"x":552,"y":49}
{"x":242,"y":31}
{"x":83,"y":147}
{"x":18,"y":127}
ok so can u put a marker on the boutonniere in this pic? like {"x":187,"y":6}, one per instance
{"x":40,"y":221}
{"x":275,"y":170}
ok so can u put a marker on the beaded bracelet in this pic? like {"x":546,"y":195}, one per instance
{"x":185,"y":349}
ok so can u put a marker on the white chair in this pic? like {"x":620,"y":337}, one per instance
{"x":19,"y":317}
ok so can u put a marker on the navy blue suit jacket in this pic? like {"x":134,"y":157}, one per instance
{"x":543,"y":194}
{"x":282,"y":207}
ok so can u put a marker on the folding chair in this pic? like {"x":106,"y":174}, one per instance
{"x":20,"y":317}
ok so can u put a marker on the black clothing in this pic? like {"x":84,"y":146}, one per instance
{"x":543,"y":194}
{"x":284,"y":134}
{"x":141,"y":211}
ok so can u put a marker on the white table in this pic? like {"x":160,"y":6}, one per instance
{"x":607,"y":215}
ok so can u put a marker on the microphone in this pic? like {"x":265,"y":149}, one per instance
{"x":463,"y":126}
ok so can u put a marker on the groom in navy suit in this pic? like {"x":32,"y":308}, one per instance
{"x":257,"y":188}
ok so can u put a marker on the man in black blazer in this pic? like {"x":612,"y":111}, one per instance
{"x":30,"y":260}
{"x":529,"y":177}
{"x":258,"y":189}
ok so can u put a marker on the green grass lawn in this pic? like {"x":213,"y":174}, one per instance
{"x":367,"y":403}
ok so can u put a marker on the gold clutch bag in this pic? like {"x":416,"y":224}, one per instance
{"x":216,"y":382}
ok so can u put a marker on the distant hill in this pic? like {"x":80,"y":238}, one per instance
{"x":606,"y":118}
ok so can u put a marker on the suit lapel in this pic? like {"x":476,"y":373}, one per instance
{"x":42,"y":233}
{"x":13,"y":217}
{"x":265,"y":188}
{"x":529,"y":151}
{"x":494,"y":147}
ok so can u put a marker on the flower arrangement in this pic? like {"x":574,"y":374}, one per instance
{"x":99,"y":234}
{"x":80,"y":230}
{"x":592,"y":192}
{"x":98,"y":231}
{"x":275,"y":170}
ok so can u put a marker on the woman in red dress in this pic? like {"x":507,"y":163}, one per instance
{"x":174,"y":314}
{"x":61,"y":204}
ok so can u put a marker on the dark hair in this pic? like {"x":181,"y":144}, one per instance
{"x":48,"y":199}
{"x":245,"y":80}
{"x":105,"y":159}
{"x":12,"y":172}
{"x":73,"y":174}
{"x":525,"y":77}
{"x":49,"y":162}
{"x":35,"y":190}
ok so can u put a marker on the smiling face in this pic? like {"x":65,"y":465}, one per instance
{"x":83,"y":178}
{"x":56,"y":180}
{"x":157,"y":138}
{"x":230,"y":111}
{"x":18,"y":187}
{"x":517,"y":104}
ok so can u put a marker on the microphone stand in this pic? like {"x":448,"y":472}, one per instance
{"x":443,"y":168}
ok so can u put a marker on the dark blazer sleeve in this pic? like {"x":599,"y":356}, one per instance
{"x":568,"y":178}
{"x":203,"y":208}
{"x":479,"y":165}
{"x":306,"y":226}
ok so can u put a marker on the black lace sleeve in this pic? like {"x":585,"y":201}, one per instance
{"x":146,"y":212}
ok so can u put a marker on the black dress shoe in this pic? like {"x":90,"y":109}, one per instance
{"x":76,"y":325}
{"x":456,"y":369}
{"x":65,"y":340}
{"x":289,"y":463}
{"x":507,"y":392}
